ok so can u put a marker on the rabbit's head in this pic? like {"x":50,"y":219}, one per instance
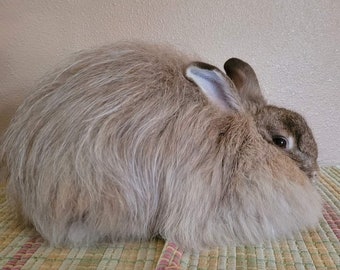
{"x":239,"y":91}
{"x":284,"y":128}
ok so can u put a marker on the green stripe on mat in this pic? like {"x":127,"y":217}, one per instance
{"x":22,"y":248}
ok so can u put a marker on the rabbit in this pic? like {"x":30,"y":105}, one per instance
{"x":133,"y":141}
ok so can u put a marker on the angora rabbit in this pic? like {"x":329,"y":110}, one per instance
{"x":131,"y":141}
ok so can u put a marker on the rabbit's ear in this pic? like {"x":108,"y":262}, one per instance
{"x":246,"y":82}
{"x":217,"y":87}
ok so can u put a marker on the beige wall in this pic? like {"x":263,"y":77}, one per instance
{"x":293,"y":45}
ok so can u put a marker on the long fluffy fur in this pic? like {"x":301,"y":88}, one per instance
{"x":118,"y":144}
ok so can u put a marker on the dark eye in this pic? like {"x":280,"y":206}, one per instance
{"x":280,"y":141}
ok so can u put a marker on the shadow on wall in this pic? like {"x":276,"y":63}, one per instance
{"x":9,"y":95}
{"x":6,"y":113}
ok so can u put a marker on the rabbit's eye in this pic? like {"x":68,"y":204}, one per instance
{"x":280,"y":141}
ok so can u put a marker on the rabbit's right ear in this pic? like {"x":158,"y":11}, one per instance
{"x":245,"y":80}
{"x":215,"y":85}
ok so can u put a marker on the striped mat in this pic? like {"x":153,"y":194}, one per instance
{"x":23,"y":248}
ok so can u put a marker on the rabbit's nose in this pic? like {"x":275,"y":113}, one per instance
{"x":314,"y":175}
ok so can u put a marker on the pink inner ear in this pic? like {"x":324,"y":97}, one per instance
{"x":216,"y":87}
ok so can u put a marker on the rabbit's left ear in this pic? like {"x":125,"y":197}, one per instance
{"x":215,"y":85}
{"x":245,"y":80}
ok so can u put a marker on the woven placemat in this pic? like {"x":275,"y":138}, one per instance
{"x":23,"y":248}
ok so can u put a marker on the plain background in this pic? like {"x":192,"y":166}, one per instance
{"x":292,"y":45}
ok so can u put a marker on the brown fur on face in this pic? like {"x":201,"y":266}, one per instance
{"x":272,"y":121}
{"x":118,"y":144}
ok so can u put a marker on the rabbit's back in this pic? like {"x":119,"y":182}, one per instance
{"x":92,"y":140}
